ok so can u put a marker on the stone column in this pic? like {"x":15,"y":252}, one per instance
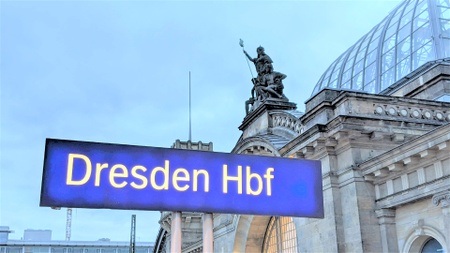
{"x":386,"y":219}
{"x":443,"y":198}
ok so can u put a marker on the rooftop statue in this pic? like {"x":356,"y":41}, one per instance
{"x":261,"y":60}
{"x":268,"y":84}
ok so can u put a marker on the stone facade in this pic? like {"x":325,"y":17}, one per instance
{"x":385,"y":164}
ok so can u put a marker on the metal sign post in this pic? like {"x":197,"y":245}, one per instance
{"x":175,"y":233}
{"x":208,"y":233}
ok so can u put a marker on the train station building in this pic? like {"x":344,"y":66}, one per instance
{"x":379,"y":121}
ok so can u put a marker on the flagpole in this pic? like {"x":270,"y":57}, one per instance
{"x":190,"y":117}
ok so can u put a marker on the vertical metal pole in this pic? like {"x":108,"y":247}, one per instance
{"x":208,"y":235}
{"x":175,"y":233}
{"x":68,"y":224}
{"x":190,"y":118}
{"x":133,"y":234}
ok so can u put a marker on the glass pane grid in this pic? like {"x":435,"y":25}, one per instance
{"x":444,"y":12}
{"x":404,"y":31}
{"x":270,"y":239}
{"x":288,"y":234}
{"x":370,"y":87}
{"x":280,"y":235}
{"x":389,"y":43}
{"x":403,"y":68}
{"x":387,"y":60}
{"x":445,"y":3}
{"x":404,"y":49}
{"x":399,"y":44}
{"x":422,"y":55}
{"x":369,"y":73}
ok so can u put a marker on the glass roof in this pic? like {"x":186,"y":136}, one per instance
{"x":414,"y":33}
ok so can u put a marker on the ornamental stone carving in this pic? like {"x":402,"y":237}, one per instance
{"x":442,"y":198}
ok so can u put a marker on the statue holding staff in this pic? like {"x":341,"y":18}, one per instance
{"x":268,"y":84}
{"x":261,"y":60}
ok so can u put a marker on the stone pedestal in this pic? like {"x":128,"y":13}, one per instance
{"x":258,"y":120}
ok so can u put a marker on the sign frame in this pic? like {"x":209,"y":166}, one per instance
{"x":131,"y":177}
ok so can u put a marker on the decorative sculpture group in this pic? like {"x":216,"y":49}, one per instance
{"x":268,"y":84}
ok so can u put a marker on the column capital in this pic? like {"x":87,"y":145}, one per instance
{"x":442,"y":198}
{"x":385,"y":216}
{"x":385,"y":213}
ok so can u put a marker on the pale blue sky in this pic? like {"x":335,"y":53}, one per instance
{"x":117,"y":71}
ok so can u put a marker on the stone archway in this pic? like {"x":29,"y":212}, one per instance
{"x":420,"y":236}
{"x":250,"y":233}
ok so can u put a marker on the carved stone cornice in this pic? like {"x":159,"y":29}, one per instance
{"x":442,"y":198}
{"x":286,"y":121}
{"x":267,"y":105}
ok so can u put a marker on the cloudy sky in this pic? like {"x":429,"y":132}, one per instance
{"x":117,"y":72}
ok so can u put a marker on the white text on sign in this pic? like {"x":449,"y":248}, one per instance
{"x":180,"y":179}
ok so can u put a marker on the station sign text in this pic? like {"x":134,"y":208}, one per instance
{"x":115,"y":176}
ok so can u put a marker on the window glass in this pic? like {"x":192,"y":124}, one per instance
{"x":389,"y":43}
{"x":288,"y":235}
{"x":422,"y":55}
{"x":404,"y":49}
{"x":59,"y":250}
{"x":358,"y":67}
{"x":445,"y":28}
{"x":421,"y":37}
{"x":432,"y":245}
{"x":374,"y":43}
{"x":444,"y":12}
{"x":337,"y":69}
{"x":403,"y":68}
{"x":377,"y":33}
{"x":345,"y":85}
{"x":406,"y":18}
{"x":362,"y":50}
{"x":319,"y":83}
{"x":333,"y":84}
{"x":326,"y":78}
{"x":387,"y":60}
{"x":349,"y":62}
{"x":357,"y":82}
{"x":420,"y":20}
{"x":370,"y":87}
{"x":445,"y":3}
{"x":14,"y":250}
{"x":387,"y":78}
{"x":280,"y":236}
{"x":409,"y":10}
{"x":270,"y":239}
{"x":371,"y":57}
{"x":370,"y":73}
{"x":394,"y":21}
{"x":346,"y":76}
{"x":391,"y":31}
{"x":444,"y":98}
{"x":446,"y":47}
{"x":421,"y":6}
{"x":404,"y":32}
{"x":316,"y":88}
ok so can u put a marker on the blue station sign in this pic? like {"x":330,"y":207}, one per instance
{"x":115,"y":176}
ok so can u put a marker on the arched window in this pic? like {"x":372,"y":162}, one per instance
{"x":280,"y":236}
{"x":432,"y":245}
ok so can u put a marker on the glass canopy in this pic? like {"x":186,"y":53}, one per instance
{"x":414,"y":33}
